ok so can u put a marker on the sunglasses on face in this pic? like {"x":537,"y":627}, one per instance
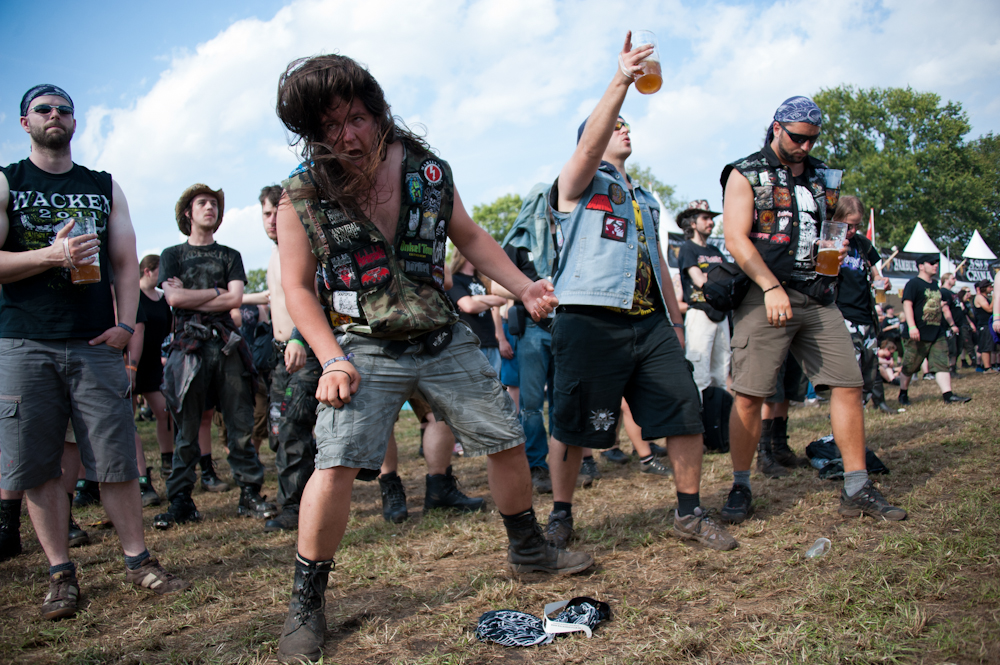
{"x":622,"y":123}
{"x":799,"y":138}
{"x":45,"y":109}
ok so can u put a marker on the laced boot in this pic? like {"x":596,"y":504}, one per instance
{"x":210,"y":481}
{"x":443,"y":492}
{"x":393,"y":498}
{"x":302,"y":636}
{"x":252,"y":504}
{"x":780,"y":451}
{"x":529,"y":552}
{"x":181,"y":511}
{"x":765,"y":462}
{"x":147,"y":491}
{"x":10,"y":528}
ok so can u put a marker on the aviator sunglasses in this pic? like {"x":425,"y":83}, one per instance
{"x":45,"y":109}
{"x":799,"y":138}
{"x":622,"y":123}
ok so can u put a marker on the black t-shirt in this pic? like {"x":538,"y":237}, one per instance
{"x":926,"y":298}
{"x":692,"y":255}
{"x":201,"y":267}
{"x":48,"y":305}
{"x":524,"y":261}
{"x":853,"y":290}
{"x":482,"y":323}
{"x":158,"y":324}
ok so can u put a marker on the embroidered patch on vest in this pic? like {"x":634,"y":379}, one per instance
{"x":756,"y":235}
{"x":370,"y":256}
{"x":437,"y":272}
{"x":427,"y":226}
{"x":417,"y":268}
{"x":780,"y":239}
{"x":765,"y":178}
{"x":616,"y":193}
{"x":343,"y":271}
{"x":752,"y":178}
{"x":614,"y":228}
{"x":413,"y":222}
{"x":600,"y":202}
{"x":346,"y":302}
{"x":433,"y":173}
{"x":432,"y":201}
{"x":817,"y":189}
{"x":782,"y":178}
{"x":345,"y":233}
{"x":782,"y":197}
{"x":375,"y":276}
{"x":416,"y":250}
{"x":763,"y":197}
{"x":766,"y":221}
{"x":414,"y":187}
{"x":784,"y":219}
{"x":441,"y":231}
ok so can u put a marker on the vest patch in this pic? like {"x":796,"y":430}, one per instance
{"x":433,"y":173}
{"x":427,"y":226}
{"x":616,"y":193}
{"x":600,"y":202}
{"x":413,"y":222}
{"x":782,"y":197}
{"x":437,"y":272}
{"x":344,"y":234}
{"x":614,"y":228}
{"x":416,"y":250}
{"x":766,"y":221}
{"x":417,"y":268}
{"x":763,"y":197}
{"x":370,"y":256}
{"x":375,"y":276}
{"x":414,"y":187}
{"x":752,"y":178}
{"x":346,"y":302}
{"x":432,"y":201}
{"x":765,"y":178}
{"x":757,"y":235}
{"x":343,"y":271}
{"x":780,"y":239}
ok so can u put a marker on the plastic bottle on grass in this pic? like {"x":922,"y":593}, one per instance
{"x":819,"y":548}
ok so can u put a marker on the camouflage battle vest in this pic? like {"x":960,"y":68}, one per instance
{"x":366,"y":285}
{"x":777,"y":221}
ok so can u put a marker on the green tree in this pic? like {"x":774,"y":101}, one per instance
{"x":645,"y":177}
{"x":498,"y":217}
{"x":986,"y":154}
{"x":903,"y":153}
{"x":256,"y":280}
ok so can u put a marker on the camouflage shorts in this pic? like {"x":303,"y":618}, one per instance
{"x":914,"y":353}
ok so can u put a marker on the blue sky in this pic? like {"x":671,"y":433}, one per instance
{"x":172,"y":94}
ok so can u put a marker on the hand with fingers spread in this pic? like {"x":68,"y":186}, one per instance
{"x":629,"y":60}
{"x":778,"y":307}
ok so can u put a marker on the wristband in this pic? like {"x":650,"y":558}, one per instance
{"x":772,"y":288}
{"x":69,"y":257}
{"x":349,"y":357}
{"x":297,"y":341}
{"x":130,"y":329}
{"x":296,"y":336}
{"x":217,"y":292}
{"x":678,"y":325}
{"x":132,"y":367}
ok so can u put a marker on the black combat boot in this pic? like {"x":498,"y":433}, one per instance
{"x":780,"y":451}
{"x":765,"y":461}
{"x":181,"y":510}
{"x":529,"y":552}
{"x":302,"y":636}
{"x":10,"y":528}
{"x":443,"y":492}
{"x":252,"y":504}
{"x":88,"y":493}
{"x":393,"y":498}
{"x":210,"y":481}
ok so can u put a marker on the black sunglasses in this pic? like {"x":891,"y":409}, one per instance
{"x":46,"y":109}
{"x":799,"y":138}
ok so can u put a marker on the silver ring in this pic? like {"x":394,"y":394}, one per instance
{"x":780,"y":315}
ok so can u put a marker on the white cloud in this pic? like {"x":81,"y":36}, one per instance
{"x":502,"y":86}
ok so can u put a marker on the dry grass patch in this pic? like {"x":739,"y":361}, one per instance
{"x":922,"y":591}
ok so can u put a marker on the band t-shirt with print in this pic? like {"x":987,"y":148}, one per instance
{"x":927,"y":313}
{"x":693,"y":255}
{"x":853,"y":290}
{"x":644,"y":298}
{"x":201,"y":267}
{"x":482,"y":323}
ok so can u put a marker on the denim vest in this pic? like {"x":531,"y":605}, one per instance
{"x":598,"y":242}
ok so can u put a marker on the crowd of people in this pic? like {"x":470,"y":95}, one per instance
{"x":574,"y":309}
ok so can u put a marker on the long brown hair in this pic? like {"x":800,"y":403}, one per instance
{"x":307,"y":90}
{"x":847,"y":206}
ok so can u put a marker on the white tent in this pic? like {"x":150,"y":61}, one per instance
{"x":978,"y":249}
{"x":920,"y":242}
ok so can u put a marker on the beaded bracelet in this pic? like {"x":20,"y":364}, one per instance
{"x":349,"y":357}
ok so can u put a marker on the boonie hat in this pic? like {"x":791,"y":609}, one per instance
{"x":183,"y":223}
{"x":694,"y":209}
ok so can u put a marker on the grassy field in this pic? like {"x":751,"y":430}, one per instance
{"x":926,"y":590}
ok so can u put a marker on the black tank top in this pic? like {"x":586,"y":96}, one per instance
{"x":49,"y":305}
{"x":983,"y":316}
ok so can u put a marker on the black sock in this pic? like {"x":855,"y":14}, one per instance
{"x":69,"y":565}
{"x":946,"y":396}
{"x":167,"y":460}
{"x":133,"y":562}
{"x":686,"y":503}
{"x":206,"y":463}
{"x":647,"y":459}
{"x":564,"y":506}
{"x":513,"y":519}
{"x":310,"y":563}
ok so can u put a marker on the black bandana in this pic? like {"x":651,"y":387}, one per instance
{"x":40,"y":91}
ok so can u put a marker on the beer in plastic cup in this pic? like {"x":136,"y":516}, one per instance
{"x":652,"y":74}
{"x":880,"y":287}
{"x":90,"y":273}
{"x":831,"y":240}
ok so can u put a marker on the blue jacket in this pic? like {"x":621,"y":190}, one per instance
{"x":597,"y":242}
{"x":531,"y":230}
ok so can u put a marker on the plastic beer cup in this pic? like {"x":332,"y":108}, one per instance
{"x":831,"y":240}
{"x":90,"y":273}
{"x":652,"y":73}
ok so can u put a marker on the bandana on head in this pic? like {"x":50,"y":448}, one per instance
{"x":799,"y":109}
{"x":40,"y":91}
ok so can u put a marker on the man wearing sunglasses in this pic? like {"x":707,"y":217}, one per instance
{"x":618,"y":332}
{"x":61,"y":345}
{"x":775,"y":201}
